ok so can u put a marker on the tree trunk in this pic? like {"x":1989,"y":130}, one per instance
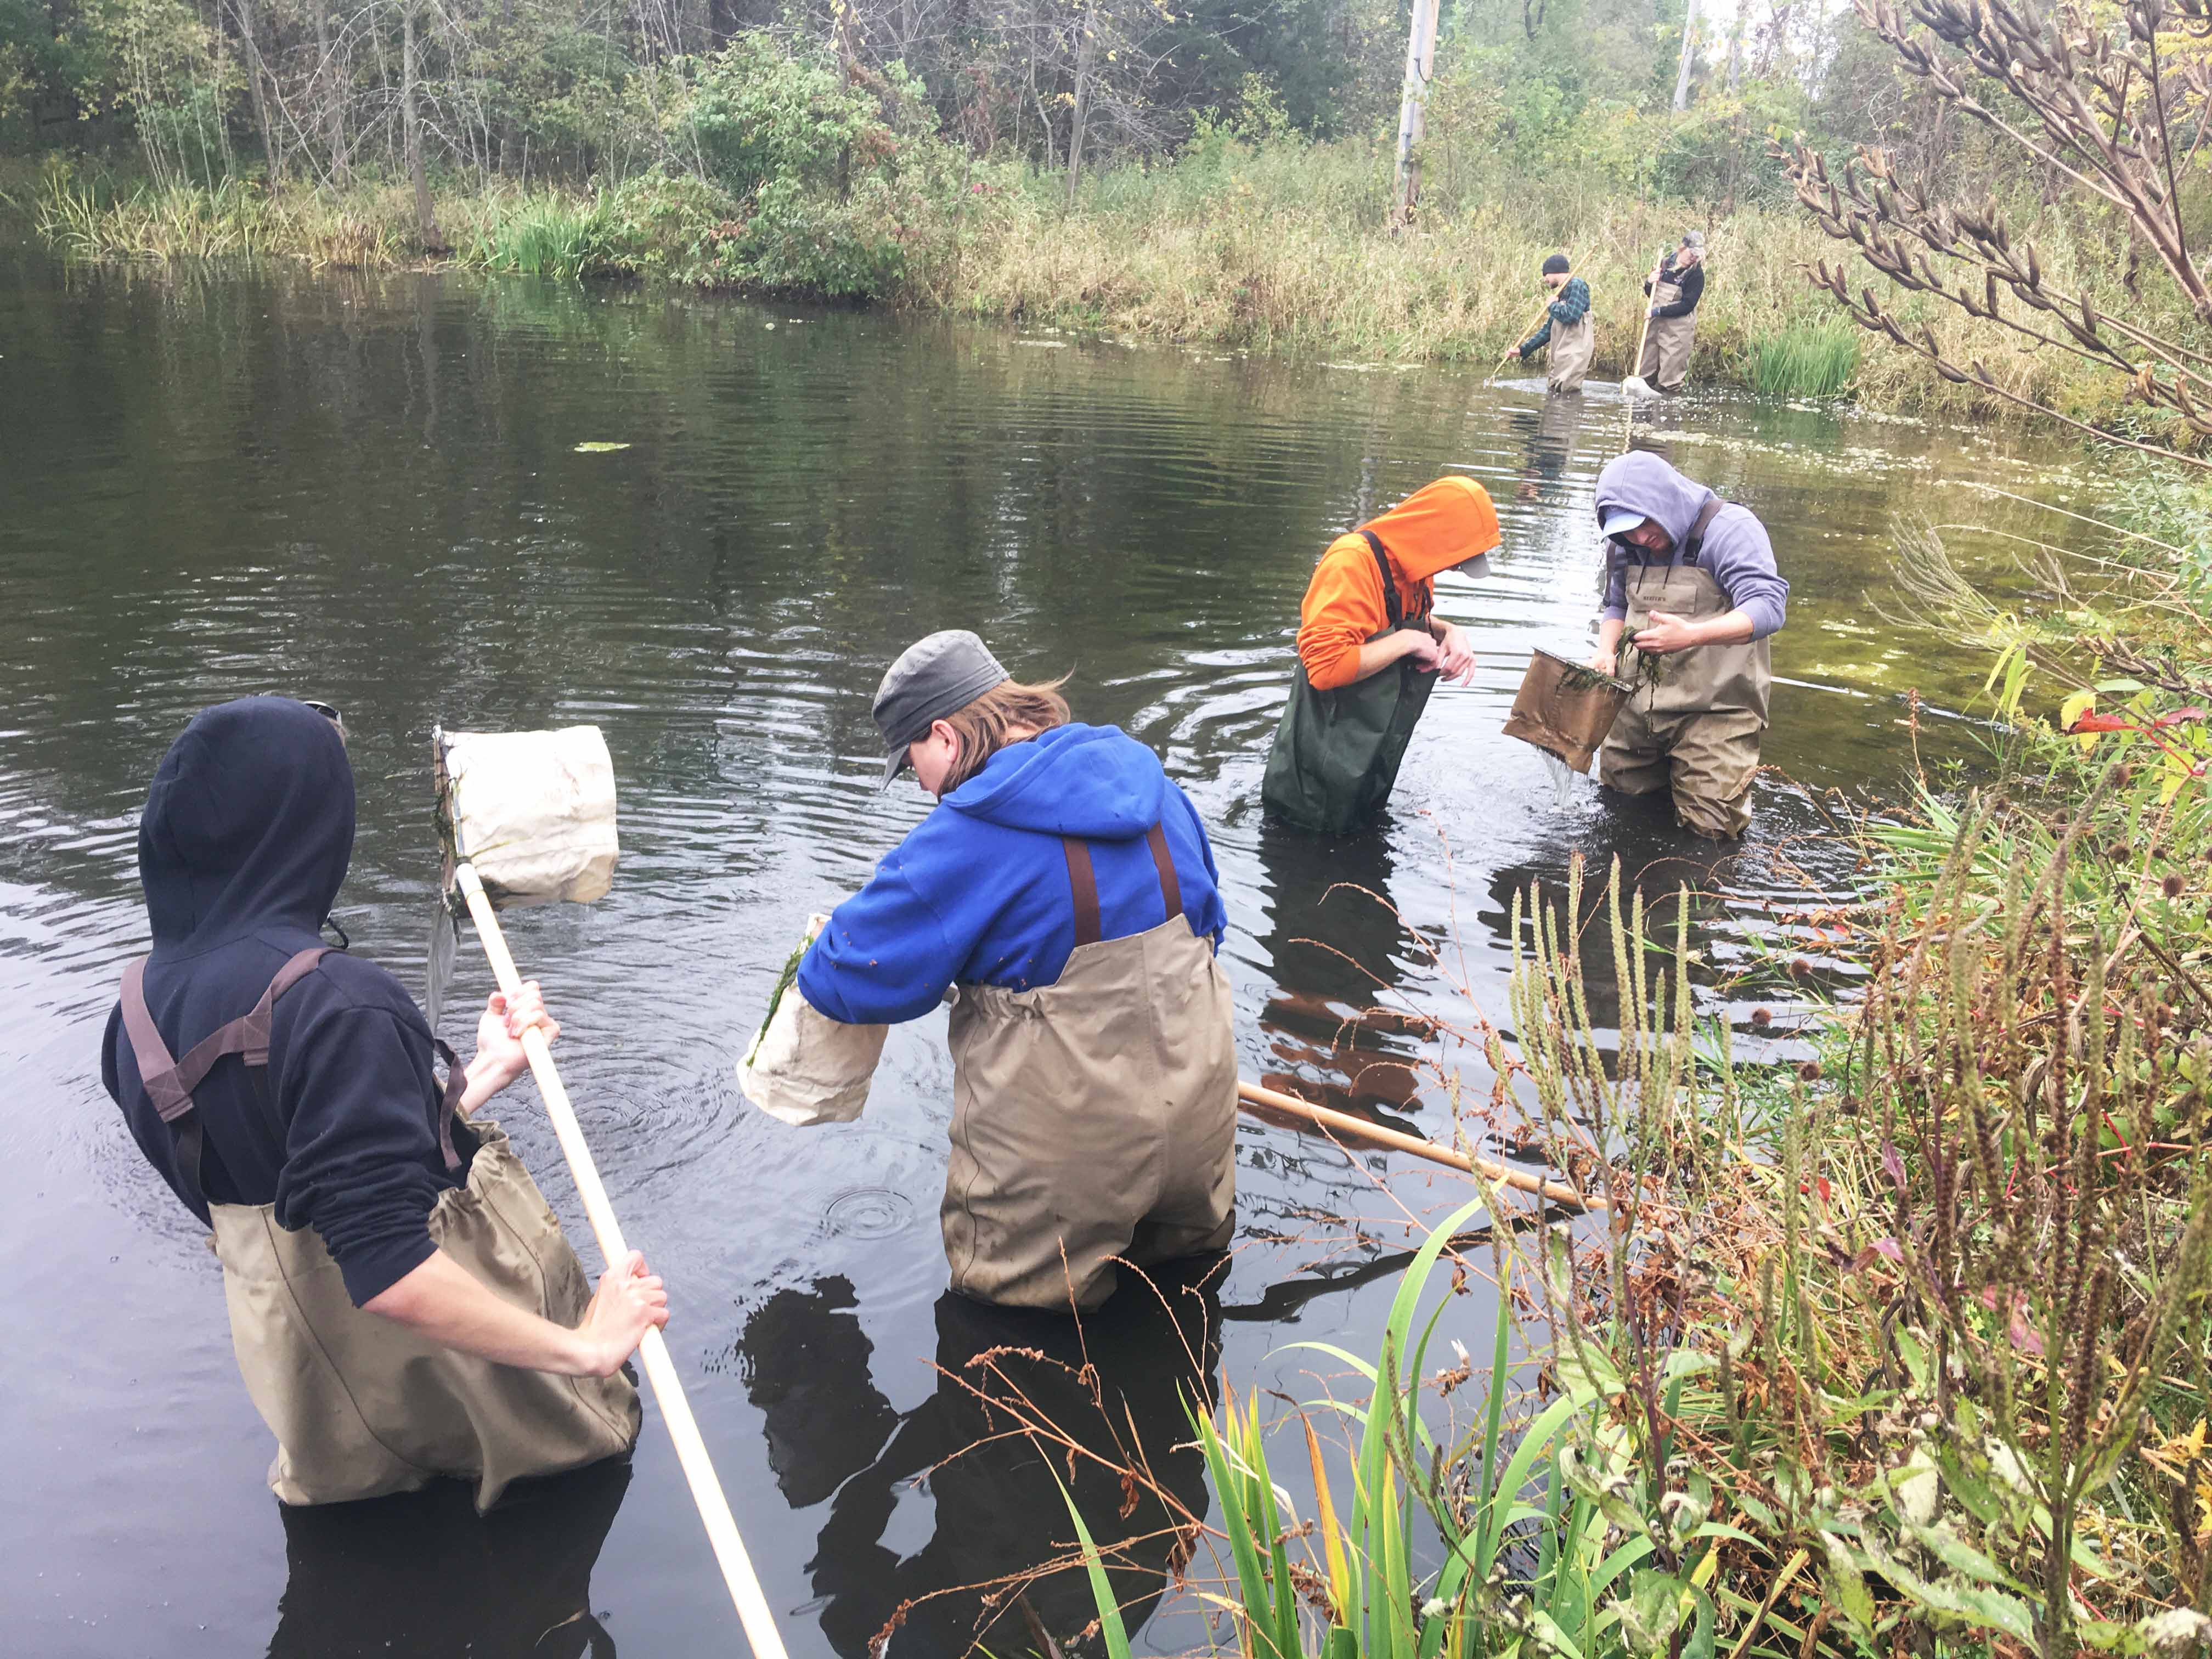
{"x":1084,"y":48}
{"x":1736,"y":49}
{"x":1413,"y":112}
{"x":332,"y":86}
{"x":272,"y":154}
{"x":411,"y":120}
{"x":1689,"y":41}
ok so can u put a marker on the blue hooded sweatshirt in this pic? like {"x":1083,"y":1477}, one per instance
{"x":978,"y":893}
{"x":245,"y":840}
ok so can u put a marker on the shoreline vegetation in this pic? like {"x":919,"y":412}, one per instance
{"x":1261,"y":244}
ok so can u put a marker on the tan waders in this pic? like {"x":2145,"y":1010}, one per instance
{"x":1573,"y":345}
{"x":360,"y":1405}
{"x":1695,"y":728}
{"x":1336,"y":753}
{"x":1096,"y":1118}
{"x":1665,"y":361}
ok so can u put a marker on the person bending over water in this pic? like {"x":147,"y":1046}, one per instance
{"x":1691,"y":580}
{"x":1066,"y":890}
{"x":402,"y":1303}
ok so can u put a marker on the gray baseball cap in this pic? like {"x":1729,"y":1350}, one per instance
{"x":1694,"y":240}
{"x":933,"y":677}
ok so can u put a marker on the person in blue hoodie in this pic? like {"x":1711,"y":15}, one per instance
{"x":403,"y":1305}
{"x":1064,"y":891}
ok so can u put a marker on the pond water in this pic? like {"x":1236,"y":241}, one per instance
{"x":369,"y":490}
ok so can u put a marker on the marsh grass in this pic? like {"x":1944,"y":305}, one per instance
{"x":1815,"y":360}
{"x":1277,"y":246}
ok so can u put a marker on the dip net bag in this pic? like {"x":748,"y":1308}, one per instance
{"x":1566,"y":707}
{"x":534,"y":812}
{"x":804,"y":1067}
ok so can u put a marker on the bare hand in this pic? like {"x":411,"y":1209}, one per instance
{"x":1664,"y":631}
{"x":1454,"y":655}
{"x":1422,"y":649}
{"x":629,"y":1302}
{"x":499,"y":1059}
{"x":1604,"y":662}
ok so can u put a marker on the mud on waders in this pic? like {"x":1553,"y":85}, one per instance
{"x":1336,"y":753}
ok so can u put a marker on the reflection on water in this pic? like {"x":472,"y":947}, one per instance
{"x":368,"y":489}
{"x":425,"y":1574}
{"x":1026,"y":1403}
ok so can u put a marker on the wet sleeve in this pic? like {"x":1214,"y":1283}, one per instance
{"x":1343,"y":608}
{"x":886,"y":955}
{"x":1743,"y":564}
{"x":1616,"y":586}
{"x":359,"y":1150}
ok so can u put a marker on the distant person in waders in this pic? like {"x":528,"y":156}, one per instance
{"x":1370,"y":652}
{"x":1691,"y":596}
{"x":1674,"y":313}
{"x":403,"y":1305}
{"x":1064,"y":892}
{"x":1567,"y":329}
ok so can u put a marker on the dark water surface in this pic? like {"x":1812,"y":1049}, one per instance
{"x":368,"y":490}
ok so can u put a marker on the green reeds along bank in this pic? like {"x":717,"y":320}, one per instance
{"x":1810,"y":360}
{"x":545,"y":236}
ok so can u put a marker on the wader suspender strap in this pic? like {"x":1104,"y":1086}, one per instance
{"x":1392,"y":605}
{"x":169,"y":1083}
{"x":1694,"y":543}
{"x":1083,"y":883}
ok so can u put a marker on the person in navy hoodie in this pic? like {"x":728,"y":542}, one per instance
{"x":1064,"y":892}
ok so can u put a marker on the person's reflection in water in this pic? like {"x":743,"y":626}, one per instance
{"x":1010,"y":1383}
{"x":1336,"y":947}
{"x":423,"y":1574}
{"x":1547,"y":445}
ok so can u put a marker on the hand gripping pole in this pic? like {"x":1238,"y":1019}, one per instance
{"x":660,"y":1370}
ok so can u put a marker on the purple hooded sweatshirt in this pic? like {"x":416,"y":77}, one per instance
{"x":1735,"y":552}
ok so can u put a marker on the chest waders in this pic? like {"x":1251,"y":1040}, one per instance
{"x":1336,"y":753}
{"x":1665,"y":361}
{"x":1573,"y":345}
{"x":361,"y":1406}
{"x":1093,"y":1119}
{"x":1694,"y":729}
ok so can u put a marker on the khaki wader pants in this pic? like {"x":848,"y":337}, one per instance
{"x":361,"y":1406}
{"x":1696,"y":732}
{"x":1093,"y":1118}
{"x":1573,"y":345}
{"x":1665,"y":361}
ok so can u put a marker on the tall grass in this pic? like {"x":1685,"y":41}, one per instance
{"x":1812,"y":360}
{"x":545,"y":235}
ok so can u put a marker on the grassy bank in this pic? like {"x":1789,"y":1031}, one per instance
{"x":1898,"y":1349}
{"x":1277,"y":246}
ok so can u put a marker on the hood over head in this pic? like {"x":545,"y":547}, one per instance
{"x":1640,"y":482}
{"x":249,"y":825}
{"x":1438,"y":526}
{"x":1095,"y":783}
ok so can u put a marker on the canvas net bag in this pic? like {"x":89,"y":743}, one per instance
{"x":803,"y":1067}
{"x":534,"y":812}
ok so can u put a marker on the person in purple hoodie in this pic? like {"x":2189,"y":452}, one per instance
{"x":1692,"y":596}
{"x":1064,"y":892}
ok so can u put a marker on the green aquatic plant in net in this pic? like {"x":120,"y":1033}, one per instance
{"x":784,"y":981}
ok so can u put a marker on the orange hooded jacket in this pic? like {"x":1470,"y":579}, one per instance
{"x":1438,"y":526}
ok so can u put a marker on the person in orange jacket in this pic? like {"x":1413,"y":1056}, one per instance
{"x":1370,"y":651}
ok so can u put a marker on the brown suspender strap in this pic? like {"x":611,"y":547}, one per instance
{"x":1163,"y":861}
{"x":1694,"y":543}
{"x":1083,"y":881}
{"x":169,"y":1083}
{"x":1083,"y":884}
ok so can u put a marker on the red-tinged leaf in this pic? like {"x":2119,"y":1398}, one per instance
{"x":1822,"y":1182}
{"x":1893,"y":1165}
{"x":2179,"y":716}
{"x":2091,"y":721}
{"x":1889,"y":1248}
{"x":2024,"y":1334}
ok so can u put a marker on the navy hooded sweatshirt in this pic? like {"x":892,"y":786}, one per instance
{"x":244,"y":841}
{"x":978,"y":892}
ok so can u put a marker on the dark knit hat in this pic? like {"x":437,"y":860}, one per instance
{"x":1555,"y":264}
